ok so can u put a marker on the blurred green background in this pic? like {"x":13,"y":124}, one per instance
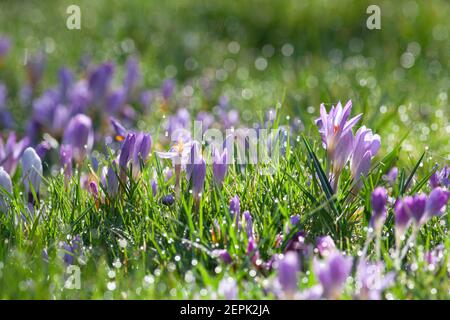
{"x":258,"y":51}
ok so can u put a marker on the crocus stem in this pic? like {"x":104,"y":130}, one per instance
{"x":177,"y":178}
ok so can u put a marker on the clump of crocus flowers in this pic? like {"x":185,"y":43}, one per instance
{"x":342,"y":146}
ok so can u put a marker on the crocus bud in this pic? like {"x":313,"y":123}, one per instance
{"x":154,"y":187}
{"x":126,"y":154}
{"x":219,"y":166}
{"x":378,"y":200}
{"x":248,"y":224}
{"x":141,"y":151}
{"x":198,"y":177}
{"x":228,"y":288}
{"x":417,"y":208}
{"x":235,"y":207}
{"x":333,"y":273}
{"x":31,"y":172}
{"x":79,"y":136}
{"x":168,"y":200}
{"x":436,"y":202}
{"x":112,"y":181}
{"x":325,"y":245}
{"x":5,"y":187}
{"x":223,"y":255}
{"x":402,"y":217}
{"x":288,"y":268}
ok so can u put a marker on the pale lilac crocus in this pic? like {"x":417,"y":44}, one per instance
{"x":5,"y":189}
{"x":11,"y":151}
{"x":441,"y":178}
{"x":325,"y":245}
{"x":391,"y":176}
{"x":337,"y":138}
{"x":288,"y":268}
{"x":371,"y":280}
{"x":219,"y":165}
{"x":436,"y":202}
{"x":333,"y":273}
{"x":228,"y":288}
{"x":32,"y":172}
{"x":378,"y":201}
{"x":365,"y":147}
{"x":79,"y":135}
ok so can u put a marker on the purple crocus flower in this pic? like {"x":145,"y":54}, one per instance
{"x":219,"y":165}
{"x":6,"y":119}
{"x":178,"y":125}
{"x":111,"y":180}
{"x":370,"y":280}
{"x":154,"y":185}
{"x":440,"y":178}
{"x":228,"y":288}
{"x":42,"y":148}
{"x":402,"y":216}
{"x":365,"y":147}
{"x":126,"y":153}
{"x":11,"y":151}
{"x":35,"y":68}
{"x":119,"y":129}
{"x":79,"y":136}
{"x":333,"y":273}
{"x":378,"y":200}
{"x":167,"y":88}
{"x":115,"y":100}
{"x":198,"y":176}
{"x":141,"y":151}
{"x":5,"y":189}
{"x":72,"y":250}
{"x":294,"y":220}
{"x":325,"y":245}
{"x":337,"y":137}
{"x":132,"y":76}
{"x":223,"y":255}
{"x":435,"y":256}
{"x":66,"y":79}
{"x":206,"y":118}
{"x":79,"y":97}
{"x":31,"y":172}
{"x":235,"y":207}
{"x":168,"y":200}
{"x":146,"y":98}
{"x":436,"y":202}
{"x":391,"y":176}
{"x":99,"y":81}
{"x":248,"y":224}
{"x":5,"y":45}
{"x":288,"y":268}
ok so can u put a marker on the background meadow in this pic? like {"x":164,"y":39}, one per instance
{"x":272,"y":63}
